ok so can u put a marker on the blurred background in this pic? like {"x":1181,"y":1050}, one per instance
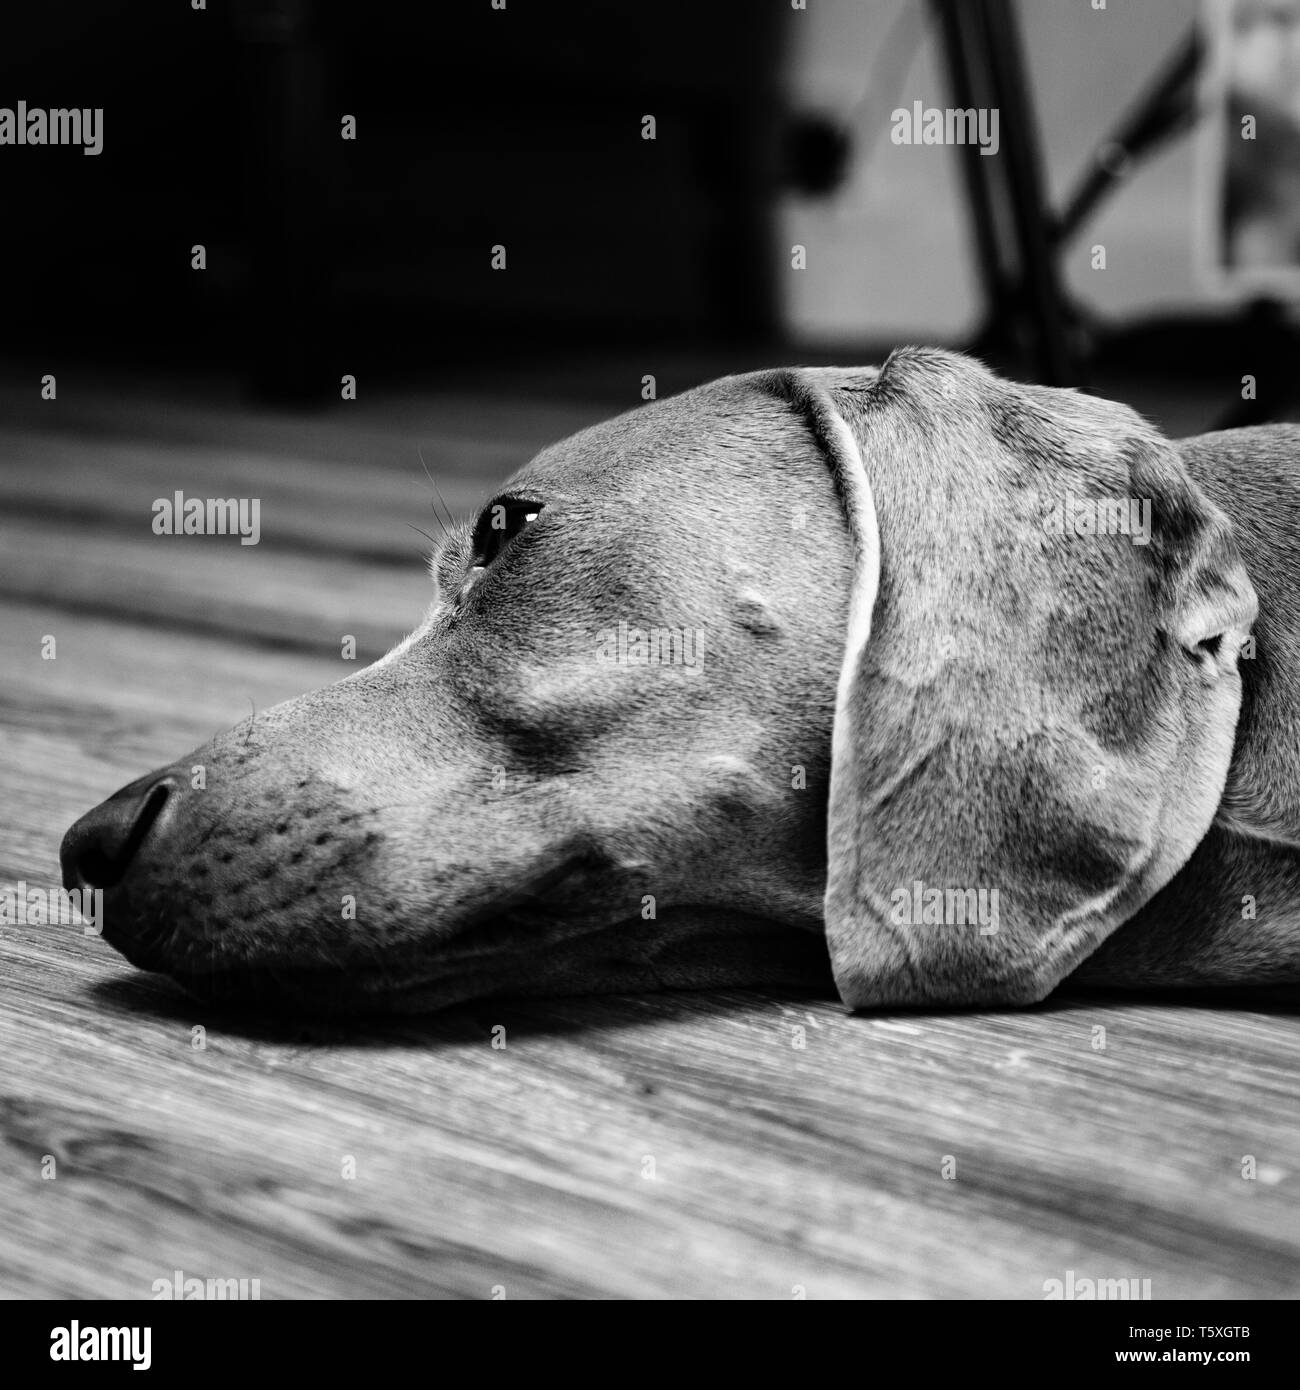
{"x":524,"y":127}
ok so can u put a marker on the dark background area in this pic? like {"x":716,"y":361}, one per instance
{"x":475,"y":127}
{"x":521,"y":127}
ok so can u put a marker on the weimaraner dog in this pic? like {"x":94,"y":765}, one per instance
{"x":945,"y":686}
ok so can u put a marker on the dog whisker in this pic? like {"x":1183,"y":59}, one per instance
{"x":451,"y":520}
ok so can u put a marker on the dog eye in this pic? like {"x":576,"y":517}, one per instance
{"x":500,"y":522}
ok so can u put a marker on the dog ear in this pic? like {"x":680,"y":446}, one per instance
{"x":1039,"y":693}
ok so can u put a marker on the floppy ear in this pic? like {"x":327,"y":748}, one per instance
{"x":1039,"y":693}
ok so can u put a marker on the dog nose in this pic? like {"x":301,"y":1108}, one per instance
{"x":97,"y":852}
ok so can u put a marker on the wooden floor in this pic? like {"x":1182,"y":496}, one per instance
{"x":672,"y":1145}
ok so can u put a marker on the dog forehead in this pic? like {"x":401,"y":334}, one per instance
{"x":729,"y":430}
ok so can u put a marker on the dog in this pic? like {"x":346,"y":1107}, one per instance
{"x":946,"y":688}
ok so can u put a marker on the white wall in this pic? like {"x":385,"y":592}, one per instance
{"x":888,"y":253}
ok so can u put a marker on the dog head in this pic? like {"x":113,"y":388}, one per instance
{"x":743,"y":675}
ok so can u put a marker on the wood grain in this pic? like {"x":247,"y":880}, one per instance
{"x":793,"y":1147}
